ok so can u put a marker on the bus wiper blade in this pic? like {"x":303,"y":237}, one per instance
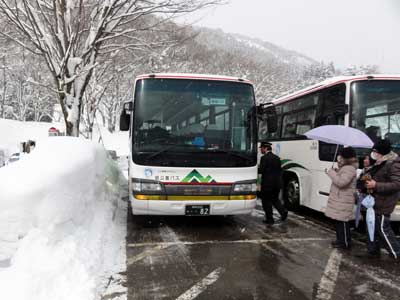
{"x":171,"y":146}
{"x":234,"y":153}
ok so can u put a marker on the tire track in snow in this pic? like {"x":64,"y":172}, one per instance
{"x":168,"y":235}
{"x":146,"y":253}
{"x":216,"y":242}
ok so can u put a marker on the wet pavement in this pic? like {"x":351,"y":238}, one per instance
{"x":242,"y":258}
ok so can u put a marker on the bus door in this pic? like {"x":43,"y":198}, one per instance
{"x":331,"y":110}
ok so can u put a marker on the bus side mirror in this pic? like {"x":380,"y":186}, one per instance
{"x":267,"y":112}
{"x":341,"y":109}
{"x":125,"y":118}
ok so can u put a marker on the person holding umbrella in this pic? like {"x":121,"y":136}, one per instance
{"x":343,"y":188}
{"x":342,"y":196}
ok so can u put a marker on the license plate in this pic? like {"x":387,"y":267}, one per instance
{"x":197,"y":210}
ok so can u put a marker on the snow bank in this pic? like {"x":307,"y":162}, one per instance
{"x":13,"y":132}
{"x":118,"y":141}
{"x":60,"y":235}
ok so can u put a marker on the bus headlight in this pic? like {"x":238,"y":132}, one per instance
{"x":146,"y":186}
{"x":245,"y":188}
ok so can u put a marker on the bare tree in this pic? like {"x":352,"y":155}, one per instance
{"x":4,"y":86}
{"x":111,"y":81}
{"x":71,"y":35}
{"x":93,"y":96}
{"x":113,"y":99}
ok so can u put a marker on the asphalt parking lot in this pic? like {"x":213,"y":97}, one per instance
{"x":242,"y":258}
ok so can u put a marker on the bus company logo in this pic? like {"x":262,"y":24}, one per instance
{"x":148,"y":172}
{"x":196,"y":177}
{"x":278,"y":149}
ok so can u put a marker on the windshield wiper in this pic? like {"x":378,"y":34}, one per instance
{"x":171,"y":146}
{"x":233,"y":153}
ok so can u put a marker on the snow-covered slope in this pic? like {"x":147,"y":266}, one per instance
{"x":258,"y":50}
{"x":62,"y":224}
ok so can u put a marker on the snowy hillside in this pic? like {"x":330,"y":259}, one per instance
{"x":260,"y":51}
{"x":275,"y":71}
{"x":62,"y":221}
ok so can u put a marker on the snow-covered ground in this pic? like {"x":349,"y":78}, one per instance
{"x":12,"y":133}
{"x":118,"y":141}
{"x":62,"y":220}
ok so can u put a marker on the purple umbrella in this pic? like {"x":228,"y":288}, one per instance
{"x":340,"y":135}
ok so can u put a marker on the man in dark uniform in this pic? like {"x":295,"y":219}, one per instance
{"x":271,"y":183}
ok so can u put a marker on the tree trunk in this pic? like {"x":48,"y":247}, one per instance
{"x":4,"y":88}
{"x":68,"y":128}
{"x":71,"y":128}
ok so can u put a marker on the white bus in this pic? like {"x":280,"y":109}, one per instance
{"x":193,"y":142}
{"x":370,"y":103}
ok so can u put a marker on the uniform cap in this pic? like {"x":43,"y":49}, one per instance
{"x":265,"y":144}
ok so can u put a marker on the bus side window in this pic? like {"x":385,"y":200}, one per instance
{"x":290,"y":130}
{"x":328,"y":101}
{"x":289,"y":125}
{"x":325,"y":120}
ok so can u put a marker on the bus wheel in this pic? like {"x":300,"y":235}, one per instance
{"x":292,"y":194}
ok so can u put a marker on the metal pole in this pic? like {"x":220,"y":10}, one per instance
{"x":334,"y":158}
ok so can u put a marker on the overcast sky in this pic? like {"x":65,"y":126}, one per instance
{"x":342,"y":31}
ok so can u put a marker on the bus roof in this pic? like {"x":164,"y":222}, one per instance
{"x":193,"y":76}
{"x":332,"y":81}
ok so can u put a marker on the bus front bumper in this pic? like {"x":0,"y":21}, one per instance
{"x":166,"y":207}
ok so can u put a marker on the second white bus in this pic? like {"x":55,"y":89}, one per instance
{"x":370,"y":103}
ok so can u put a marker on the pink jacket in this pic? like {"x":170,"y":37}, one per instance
{"x":342,"y":194}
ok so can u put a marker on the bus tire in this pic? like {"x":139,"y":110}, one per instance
{"x":291,"y":194}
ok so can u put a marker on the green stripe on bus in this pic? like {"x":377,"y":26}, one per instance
{"x":293,"y":165}
{"x":288,"y":164}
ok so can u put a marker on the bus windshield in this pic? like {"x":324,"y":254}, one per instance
{"x":376,"y":109}
{"x":189,"y":122}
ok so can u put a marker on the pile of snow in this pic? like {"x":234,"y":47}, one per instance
{"x":118,"y":141}
{"x":13,"y":132}
{"x":62,"y":231}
